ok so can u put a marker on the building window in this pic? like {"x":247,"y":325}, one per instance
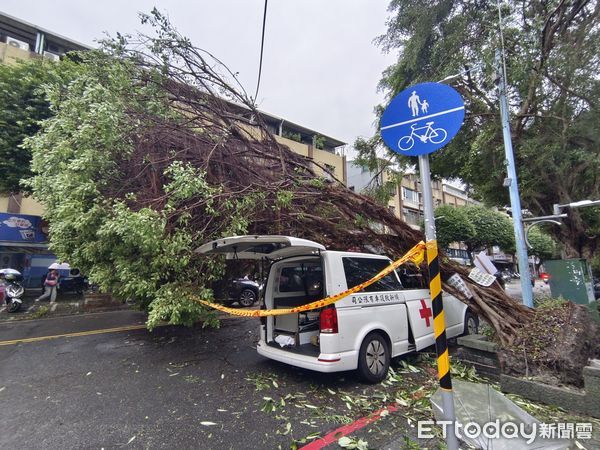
{"x":412,"y":217}
{"x":410,"y":195}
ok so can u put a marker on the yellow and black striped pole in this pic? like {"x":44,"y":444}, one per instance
{"x":439,"y":322}
{"x":435,"y":289}
{"x":441,"y":345}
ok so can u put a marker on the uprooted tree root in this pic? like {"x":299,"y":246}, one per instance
{"x":238,"y":155}
{"x":555,"y":344}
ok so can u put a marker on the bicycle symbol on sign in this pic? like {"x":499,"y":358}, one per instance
{"x":430,"y":134}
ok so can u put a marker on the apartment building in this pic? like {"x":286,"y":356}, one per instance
{"x":406,"y":197}
{"x":22,"y":40}
{"x":24,"y":233}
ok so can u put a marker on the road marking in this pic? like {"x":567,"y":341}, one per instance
{"x":448,"y":111}
{"x":344,"y":430}
{"x":80,"y":333}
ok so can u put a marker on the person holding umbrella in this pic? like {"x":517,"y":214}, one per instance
{"x":50,"y":286}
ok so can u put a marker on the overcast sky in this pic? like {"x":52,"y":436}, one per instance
{"x":320,"y":65}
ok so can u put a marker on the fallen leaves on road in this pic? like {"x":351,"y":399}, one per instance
{"x":262,"y":381}
{"x":352,"y":443}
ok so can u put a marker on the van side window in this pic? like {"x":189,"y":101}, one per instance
{"x":411,"y":278}
{"x":359,"y":270}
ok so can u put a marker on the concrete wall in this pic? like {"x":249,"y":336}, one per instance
{"x":320,"y":156}
{"x":31,"y":206}
{"x":332,"y":160}
{"x":24,"y":205}
{"x":358,"y":178}
{"x":297,"y":147}
{"x":12,"y":55}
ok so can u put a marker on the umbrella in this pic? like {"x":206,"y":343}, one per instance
{"x":59,"y":266}
{"x":10,"y":271}
{"x":479,"y":403}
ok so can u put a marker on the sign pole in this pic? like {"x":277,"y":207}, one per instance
{"x":435,"y":289}
{"x":419,"y":120}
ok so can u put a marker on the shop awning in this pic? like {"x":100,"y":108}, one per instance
{"x":23,"y":247}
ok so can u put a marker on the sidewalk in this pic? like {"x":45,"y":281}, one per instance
{"x":65,"y":304}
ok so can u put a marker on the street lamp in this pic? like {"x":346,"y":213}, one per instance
{"x":511,"y":180}
{"x":475,"y":68}
{"x":580,"y":204}
{"x":512,"y":184}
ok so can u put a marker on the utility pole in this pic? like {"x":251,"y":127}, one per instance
{"x":513,"y":187}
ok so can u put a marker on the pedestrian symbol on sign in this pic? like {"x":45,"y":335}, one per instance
{"x":414,"y":102}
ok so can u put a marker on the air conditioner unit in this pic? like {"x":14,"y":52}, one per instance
{"x":51,"y":56}
{"x":17,"y":43}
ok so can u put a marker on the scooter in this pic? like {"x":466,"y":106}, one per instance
{"x":500,"y":279}
{"x":11,"y":289}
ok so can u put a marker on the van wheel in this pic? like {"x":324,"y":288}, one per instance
{"x":374,"y":358}
{"x":471,"y":324}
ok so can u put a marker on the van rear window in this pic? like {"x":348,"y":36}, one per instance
{"x":359,"y":270}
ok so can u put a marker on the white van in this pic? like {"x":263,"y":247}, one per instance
{"x":361,"y":331}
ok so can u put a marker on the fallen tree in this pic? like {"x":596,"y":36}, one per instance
{"x":154,"y":149}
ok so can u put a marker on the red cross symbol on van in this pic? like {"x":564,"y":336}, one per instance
{"x":425,"y":312}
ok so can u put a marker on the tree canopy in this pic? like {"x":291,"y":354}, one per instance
{"x":552,"y":65}
{"x":452,"y":225}
{"x":477,"y":227}
{"x":542,"y":244}
{"x":23,"y":105}
{"x":154,"y":149}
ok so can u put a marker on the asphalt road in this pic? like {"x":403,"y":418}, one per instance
{"x":513,"y":288}
{"x":173,"y":387}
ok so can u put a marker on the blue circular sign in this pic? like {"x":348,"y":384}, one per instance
{"x":422,"y":119}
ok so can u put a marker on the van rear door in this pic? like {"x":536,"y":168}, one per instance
{"x":258,"y":247}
